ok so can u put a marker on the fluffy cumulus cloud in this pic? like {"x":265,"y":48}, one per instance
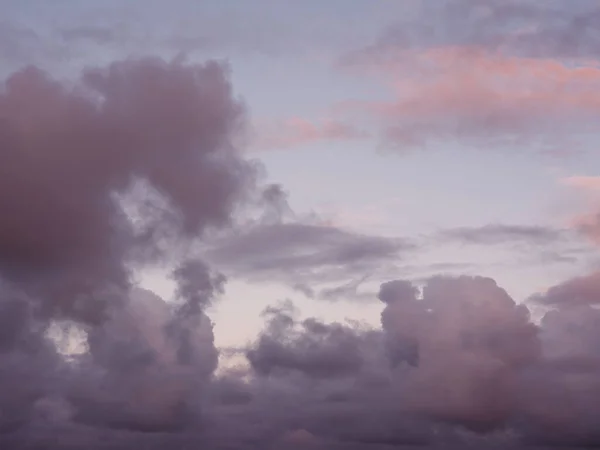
{"x":456,"y":353}
{"x":98,"y":179}
{"x":456,"y":360}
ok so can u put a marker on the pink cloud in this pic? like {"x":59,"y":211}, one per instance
{"x":484,"y":97}
{"x":587,"y":223}
{"x":296,"y":132}
{"x":583,"y":182}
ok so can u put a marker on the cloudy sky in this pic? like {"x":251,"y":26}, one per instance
{"x":348,"y":191}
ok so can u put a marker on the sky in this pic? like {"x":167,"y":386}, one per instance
{"x":283,"y":218}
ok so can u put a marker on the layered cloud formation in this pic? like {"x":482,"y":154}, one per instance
{"x":138,"y":165}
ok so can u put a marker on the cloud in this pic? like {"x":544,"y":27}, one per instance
{"x":582,"y":182}
{"x":115,"y":30}
{"x":347,"y":291}
{"x":310,"y":347}
{"x":529,"y":28}
{"x":162,"y":131}
{"x":484,"y":99}
{"x":474,"y":353}
{"x":136,"y":166}
{"x":576,"y":291}
{"x":454,"y":354}
{"x":304,"y":254}
{"x":455,"y":361}
{"x":532,"y":244}
{"x":96,"y":34}
{"x":494,"y":73}
{"x":502,"y":234}
{"x":112,"y":174}
{"x":297,"y":132}
{"x":588,"y":223}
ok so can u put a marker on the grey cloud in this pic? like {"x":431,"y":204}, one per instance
{"x":95,"y":34}
{"x":535,"y":28}
{"x":533,"y":244}
{"x":536,"y":360}
{"x":481,"y":347}
{"x":116,"y":173}
{"x":583,"y":290}
{"x":138,"y":163}
{"x":304,"y":289}
{"x":151,"y":125}
{"x":457,"y":361}
{"x":484,"y":376}
{"x":310,"y":347}
{"x":348,"y":291}
{"x":502,"y":234}
{"x":297,"y":253}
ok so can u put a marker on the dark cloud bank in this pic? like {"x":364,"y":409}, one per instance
{"x":136,"y":163}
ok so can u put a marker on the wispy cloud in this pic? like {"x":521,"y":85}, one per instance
{"x":587,"y":222}
{"x":528,"y":28}
{"x":306,"y":254}
{"x":586,"y":183}
{"x":523,"y":74}
{"x":483,"y":98}
{"x":297,"y":132}
{"x":505,"y":234}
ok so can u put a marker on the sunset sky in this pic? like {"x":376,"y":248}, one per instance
{"x":392,"y":140}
